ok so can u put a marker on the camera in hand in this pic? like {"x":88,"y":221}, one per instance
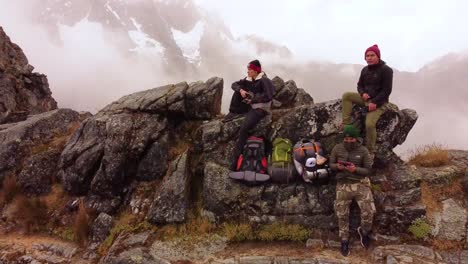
{"x":248,"y":97}
{"x":345,"y":163}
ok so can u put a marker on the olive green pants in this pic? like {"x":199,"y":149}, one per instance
{"x":371,"y":117}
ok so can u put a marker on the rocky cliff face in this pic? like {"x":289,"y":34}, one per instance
{"x":22,"y":92}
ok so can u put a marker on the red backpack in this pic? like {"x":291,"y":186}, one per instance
{"x":252,"y":164}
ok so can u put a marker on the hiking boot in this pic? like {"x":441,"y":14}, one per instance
{"x":365,"y":238}
{"x":345,"y":248}
{"x":230,"y":116}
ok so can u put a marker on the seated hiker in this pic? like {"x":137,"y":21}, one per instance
{"x":352,"y":163}
{"x":252,"y":96}
{"x":374,"y":88}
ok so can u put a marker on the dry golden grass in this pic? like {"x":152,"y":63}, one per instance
{"x":58,"y":142}
{"x":432,"y":195}
{"x":9,"y":189}
{"x":433,"y":155}
{"x":238,"y":232}
{"x":81,"y":226}
{"x":443,"y":245}
{"x":430,"y":199}
{"x":56,"y":199}
{"x":31,"y":213}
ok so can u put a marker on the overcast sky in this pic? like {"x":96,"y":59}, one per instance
{"x":410,"y":33}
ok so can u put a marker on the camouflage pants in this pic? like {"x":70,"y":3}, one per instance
{"x":345,"y":193}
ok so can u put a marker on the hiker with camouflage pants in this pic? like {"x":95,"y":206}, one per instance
{"x":374,"y":88}
{"x":352,"y":162}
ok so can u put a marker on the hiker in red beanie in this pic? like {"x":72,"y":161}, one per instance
{"x":374,"y":88}
{"x":252,"y":97}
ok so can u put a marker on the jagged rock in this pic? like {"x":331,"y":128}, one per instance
{"x":29,"y":148}
{"x":171,"y":202}
{"x":195,"y":101}
{"x":288,"y":95}
{"x":203,"y":100}
{"x":22,"y":92}
{"x":450,"y":224}
{"x":101,"y":227}
{"x":303,"y":98}
{"x":129,"y":139}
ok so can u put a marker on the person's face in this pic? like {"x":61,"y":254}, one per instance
{"x":251,"y":73}
{"x":371,"y":58}
{"x":349,"y":140}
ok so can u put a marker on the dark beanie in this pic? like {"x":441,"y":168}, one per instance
{"x":351,"y":131}
{"x":373,"y":48}
{"x":255,"y":65}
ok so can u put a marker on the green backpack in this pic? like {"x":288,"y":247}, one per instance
{"x":282,"y":151}
{"x":281,"y":169}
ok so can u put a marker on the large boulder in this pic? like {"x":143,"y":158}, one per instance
{"x":22,"y":92}
{"x":131,"y":139}
{"x":30,"y":149}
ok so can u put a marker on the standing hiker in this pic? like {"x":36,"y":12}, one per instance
{"x":352,"y":163}
{"x":252,"y":97}
{"x":374,"y":88}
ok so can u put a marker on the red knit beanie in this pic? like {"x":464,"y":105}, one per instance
{"x":373,"y":48}
{"x":255,"y":65}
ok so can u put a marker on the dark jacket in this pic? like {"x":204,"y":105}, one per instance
{"x":359,"y":156}
{"x":261,"y":87}
{"x":376,"y":80}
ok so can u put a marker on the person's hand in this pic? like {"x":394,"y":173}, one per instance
{"x":243,"y":93}
{"x":372,"y":107}
{"x":248,"y":101}
{"x":365,"y":96}
{"x":351,"y":168}
{"x":341,"y":166}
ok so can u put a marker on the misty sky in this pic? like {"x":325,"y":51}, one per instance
{"x":409,"y":33}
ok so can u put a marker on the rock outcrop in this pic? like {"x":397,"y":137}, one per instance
{"x":134,"y":138}
{"x":30,"y":149}
{"x":22,"y":91}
